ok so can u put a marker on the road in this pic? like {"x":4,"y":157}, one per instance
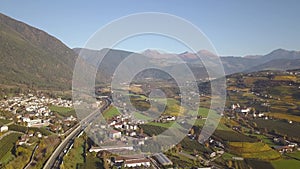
{"x":55,"y":159}
{"x":31,"y":157}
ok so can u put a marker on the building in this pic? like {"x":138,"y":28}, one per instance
{"x":115,"y":134}
{"x":4,"y":128}
{"x":110,"y":148}
{"x":137,"y":163}
{"x":162,"y":159}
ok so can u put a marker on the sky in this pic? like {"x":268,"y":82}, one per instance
{"x":235,"y":28}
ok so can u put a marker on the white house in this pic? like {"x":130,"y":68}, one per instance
{"x":4,"y":128}
{"x":247,"y":110}
{"x":115,"y":134}
{"x":137,"y":163}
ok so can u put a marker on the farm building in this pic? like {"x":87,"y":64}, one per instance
{"x":162,"y":159}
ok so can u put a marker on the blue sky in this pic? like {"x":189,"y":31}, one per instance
{"x":234,"y":27}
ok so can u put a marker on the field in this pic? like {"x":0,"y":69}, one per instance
{"x":74,"y":156}
{"x":285,"y":116}
{"x":23,"y":129}
{"x":91,"y":163}
{"x":140,"y":116}
{"x":254,"y":150}
{"x":153,"y":128}
{"x":6,"y":145}
{"x":295,"y":155}
{"x":280,"y":126}
{"x":3,"y":122}
{"x":232,"y":136}
{"x":63,"y":111}
{"x":259,"y":164}
{"x":111,"y":112}
{"x":286,"y":164}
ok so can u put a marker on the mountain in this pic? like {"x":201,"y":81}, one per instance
{"x":276,"y":60}
{"x":31,"y":57}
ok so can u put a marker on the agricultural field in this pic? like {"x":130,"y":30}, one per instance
{"x":110,"y":112}
{"x":63,"y":111}
{"x":284,"y":116}
{"x":286,"y":164}
{"x":259,"y":164}
{"x":256,"y":150}
{"x":75,"y":155}
{"x":24,"y":129}
{"x":280,"y":127}
{"x":6,"y":145}
{"x":232,"y":136}
{"x":154,"y":128}
{"x":4,"y":122}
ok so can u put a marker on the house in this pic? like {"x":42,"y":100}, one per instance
{"x":4,"y":128}
{"x":213,"y":154}
{"x":115,"y":134}
{"x":118,"y":125}
{"x":247,"y":110}
{"x":162,"y":159}
{"x":283,"y":149}
{"x":137,"y":163}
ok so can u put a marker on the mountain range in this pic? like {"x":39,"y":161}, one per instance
{"x":31,"y":57}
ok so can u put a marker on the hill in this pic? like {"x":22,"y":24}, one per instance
{"x":31,"y":57}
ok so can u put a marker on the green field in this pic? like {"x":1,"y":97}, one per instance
{"x":280,"y":126}
{"x":3,"y":122}
{"x":232,"y":136}
{"x":24,"y":129}
{"x":111,"y":112}
{"x":140,"y":116}
{"x":91,"y":163}
{"x":256,"y":150}
{"x":295,"y":155}
{"x":259,"y":164}
{"x":63,"y":111}
{"x":6,"y":145}
{"x":286,"y":164}
{"x":74,"y":156}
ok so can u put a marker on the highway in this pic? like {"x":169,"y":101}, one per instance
{"x":56,"y":158}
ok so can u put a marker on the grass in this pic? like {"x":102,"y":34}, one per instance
{"x":111,"y":112}
{"x":256,"y":150}
{"x":285,"y":116}
{"x":286,"y":164}
{"x":91,"y":163}
{"x":140,"y":116}
{"x":285,"y":78}
{"x":6,"y":145}
{"x":165,"y":125}
{"x":23,"y":129}
{"x":295,"y":155}
{"x":63,"y":111}
{"x":232,"y":136}
{"x":254,"y":163}
{"x":3,"y":121}
{"x":282,"y":127}
{"x":74,"y":157}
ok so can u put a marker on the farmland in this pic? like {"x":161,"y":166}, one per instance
{"x":254,"y":150}
{"x":6,"y":145}
{"x":280,"y":126}
{"x":24,"y":129}
{"x":286,"y":164}
{"x":63,"y":111}
{"x":111,"y":112}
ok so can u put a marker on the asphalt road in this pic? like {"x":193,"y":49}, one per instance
{"x":56,"y":158}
